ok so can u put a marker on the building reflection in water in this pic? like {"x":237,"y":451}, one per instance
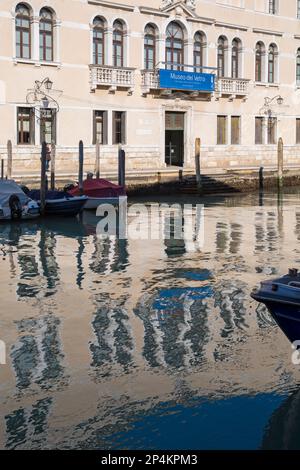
{"x":27,"y":427}
{"x":175,"y":326}
{"x":183,"y":228}
{"x":179,"y":315}
{"x":230,"y":297}
{"x":110,"y":255}
{"x":37,"y":357}
{"x":114,"y":345}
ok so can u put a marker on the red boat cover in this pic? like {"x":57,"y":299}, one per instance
{"x":99,"y":188}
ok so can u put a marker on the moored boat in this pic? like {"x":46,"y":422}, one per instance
{"x":99,"y":191}
{"x":15,"y":204}
{"x":60,"y":203}
{"x":282,"y":298}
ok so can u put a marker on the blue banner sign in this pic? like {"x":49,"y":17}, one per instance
{"x":178,"y":80}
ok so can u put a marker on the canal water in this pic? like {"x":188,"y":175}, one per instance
{"x":139,"y":344}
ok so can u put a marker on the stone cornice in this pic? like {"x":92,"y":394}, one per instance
{"x":221,"y":24}
{"x":153,"y":11}
{"x":116,"y":6}
{"x":199,"y":19}
{"x":267,"y":31}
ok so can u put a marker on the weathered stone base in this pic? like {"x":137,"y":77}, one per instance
{"x":237,"y":167}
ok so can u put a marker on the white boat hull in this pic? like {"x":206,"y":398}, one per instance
{"x":94,"y":202}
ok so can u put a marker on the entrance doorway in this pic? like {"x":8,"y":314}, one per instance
{"x":174,"y":139}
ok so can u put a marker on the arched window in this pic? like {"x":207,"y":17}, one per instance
{"x":150,"y":47}
{"x":259,"y":54}
{"x":221,"y":65}
{"x":98,"y":41}
{"x":272,"y":58}
{"x":198,"y":51}
{"x":175,"y":47}
{"x":23,"y":32}
{"x":235,"y":58}
{"x":298,"y":68}
{"x":118,"y":44}
{"x":46,"y":35}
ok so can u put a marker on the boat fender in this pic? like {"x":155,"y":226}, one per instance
{"x":15,"y":207}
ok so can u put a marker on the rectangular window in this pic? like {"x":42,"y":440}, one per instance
{"x":46,"y":42}
{"x":118,"y":55}
{"x":48,"y":126}
{"x":272,"y":130}
{"x":235,"y":130}
{"x":259,"y":128}
{"x":100,"y":127}
{"x":23,"y":38}
{"x":298,"y":68}
{"x":298,"y":9}
{"x":273,"y":7}
{"x":298,"y":131}
{"x":25,"y":126}
{"x":271,"y":68}
{"x":221,"y":130}
{"x":119,"y":127}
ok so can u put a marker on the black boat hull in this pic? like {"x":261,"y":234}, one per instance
{"x":287,"y":318}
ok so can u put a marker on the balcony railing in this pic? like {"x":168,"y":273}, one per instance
{"x":111,"y":77}
{"x":150,"y":80}
{"x":232,"y":86}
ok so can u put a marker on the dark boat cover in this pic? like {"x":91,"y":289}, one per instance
{"x":50,"y":195}
{"x":98,"y":188}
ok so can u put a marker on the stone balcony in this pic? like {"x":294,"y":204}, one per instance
{"x":232,"y":87}
{"x":150,"y":81}
{"x":112,"y":78}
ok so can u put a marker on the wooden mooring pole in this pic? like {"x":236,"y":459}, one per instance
{"x":52,"y":166}
{"x":43,"y":177}
{"x":280,"y":163}
{"x":261,"y":186}
{"x":121,"y":166}
{"x":261,"y":179}
{"x":80,"y":174}
{"x":9,"y":160}
{"x":197,"y":163}
{"x":97,"y":159}
{"x":2,"y":169}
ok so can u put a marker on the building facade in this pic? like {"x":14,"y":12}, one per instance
{"x":93,"y":70}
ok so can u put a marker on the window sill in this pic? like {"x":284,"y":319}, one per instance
{"x":267,"y":84}
{"x":26,"y":146}
{"x":48,"y":64}
{"x":23,"y":61}
{"x":36,"y":63}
